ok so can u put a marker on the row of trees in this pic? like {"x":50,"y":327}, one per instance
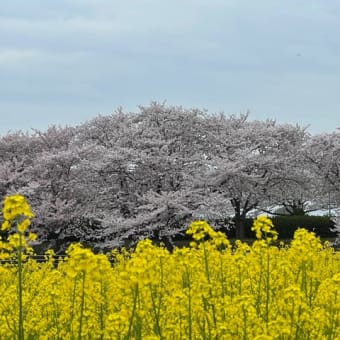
{"x":129,"y":175}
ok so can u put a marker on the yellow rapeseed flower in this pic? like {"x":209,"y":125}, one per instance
{"x":22,"y":226}
{"x":208,"y":291}
{"x":14,"y":206}
{"x":263,"y":227}
{"x":32,"y":236}
{"x":6,"y":225}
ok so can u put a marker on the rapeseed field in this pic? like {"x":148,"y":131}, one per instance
{"x":209,"y":290}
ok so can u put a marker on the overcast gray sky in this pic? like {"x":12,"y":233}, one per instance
{"x":66,"y":61}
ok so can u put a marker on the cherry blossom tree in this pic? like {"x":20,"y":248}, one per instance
{"x":323,"y":155}
{"x":253,"y":165}
{"x":117,"y":178}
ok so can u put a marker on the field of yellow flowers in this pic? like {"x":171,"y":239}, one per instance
{"x":210,"y":290}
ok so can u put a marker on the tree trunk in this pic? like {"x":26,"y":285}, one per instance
{"x":240,"y":228}
{"x":239,"y":219}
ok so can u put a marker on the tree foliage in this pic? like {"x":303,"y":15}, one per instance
{"x":118,"y":178}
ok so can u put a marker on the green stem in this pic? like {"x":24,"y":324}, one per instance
{"x":135,"y":297}
{"x":102,"y":324}
{"x":55,"y":315}
{"x":189,"y":304}
{"x":156,"y":311}
{"x":82,"y":308}
{"x":259,"y":289}
{"x":267,"y":287}
{"x":245,"y":335}
{"x":73,"y":304}
{"x":21,"y":318}
{"x":207,"y":273}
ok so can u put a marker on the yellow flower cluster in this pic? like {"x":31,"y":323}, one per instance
{"x":201,"y":230}
{"x":14,"y":207}
{"x":16,"y":213}
{"x":263,"y":226}
{"x":211,"y":290}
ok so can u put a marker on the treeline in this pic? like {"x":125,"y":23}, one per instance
{"x":118,"y":178}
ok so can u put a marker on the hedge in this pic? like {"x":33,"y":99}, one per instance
{"x":323,"y":226}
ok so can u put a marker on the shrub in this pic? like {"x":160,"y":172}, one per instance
{"x":322,"y":226}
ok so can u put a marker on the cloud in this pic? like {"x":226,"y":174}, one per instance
{"x":226,"y":54}
{"x":58,"y":34}
{"x":194,"y":30}
{"x":13,"y":56}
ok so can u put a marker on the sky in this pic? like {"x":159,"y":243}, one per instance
{"x":64,"y":62}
